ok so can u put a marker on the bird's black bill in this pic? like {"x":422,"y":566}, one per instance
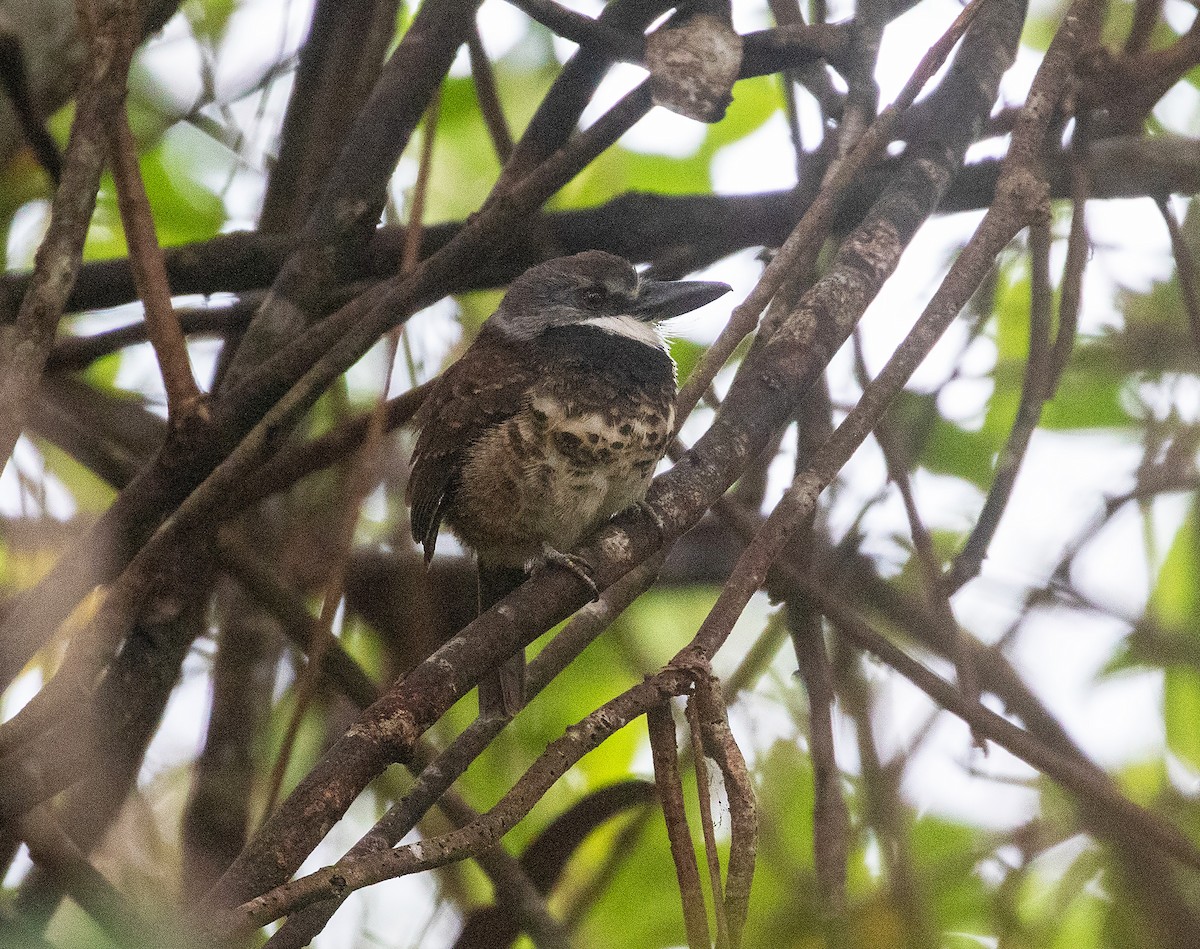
{"x":663,"y":299}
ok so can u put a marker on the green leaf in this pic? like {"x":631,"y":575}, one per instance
{"x":1154,"y":337}
{"x":1175,"y":601}
{"x":939,"y":445}
{"x":185,"y":210}
{"x":1040,"y":30}
{"x":1144,"y":781}
{"x":641,"y":906}
{"x":102,"y":373}
{"x":619,"y":170}
{"x":1181,"y":710}
{"x":474,"y":308}
{"x":1175,"y":597}
{"x":946,"y":852}
{"x":755,"y":100}
{"x":687,"y":356}
{"x":1011,"y":309}
{"x":1087,"y":398}
{"x":464,"y":163}
{"x":90,"y":492}
{"x":209,"y":18}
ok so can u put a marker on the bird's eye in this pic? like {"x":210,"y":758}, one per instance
{"x":593,"y":298}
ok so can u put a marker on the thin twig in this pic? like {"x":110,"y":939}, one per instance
{"x":146,"y":261}
{"x":1035,"y":390}
{"x":25,"y":345}
{"x":661,"y":726}
{"x":817,"y":219}
{"x":442,"y":770}
{"x":15,"y":79}
{"x":831,"y":817}
{"x":719,"y":744}
{"x":1185,"y":271}
{"x":884,"y":810}
{"x":559,"y":756}
{"x":1070,"y":297}
{"x":704,"y":798}
{"x":582,"y":29}
{"x":936,"y":594}
{"x":489,"y":99}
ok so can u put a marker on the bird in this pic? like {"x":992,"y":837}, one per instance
{"x":552,"y":421}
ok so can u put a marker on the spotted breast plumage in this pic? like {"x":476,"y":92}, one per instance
{"x":551,"y":422}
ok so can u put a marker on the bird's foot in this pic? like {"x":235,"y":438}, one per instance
{"x":572,"y":562}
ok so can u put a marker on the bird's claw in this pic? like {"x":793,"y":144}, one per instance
{"x":571,"y":562}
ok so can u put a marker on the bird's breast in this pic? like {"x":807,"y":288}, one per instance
{"x":600,"y":461}
{"x":560,"y":468}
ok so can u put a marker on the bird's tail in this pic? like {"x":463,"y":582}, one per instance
{"x":502,"y":692}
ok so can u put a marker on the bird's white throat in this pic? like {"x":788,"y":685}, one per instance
{"x":631,"y":328}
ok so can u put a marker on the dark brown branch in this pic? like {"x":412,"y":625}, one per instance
{"x":763,"y":399}
{"x":218,"y":813}
{"x":1185,"y":271}
{"x":73,"y":353}
{"x":883,"y":807}
{"x":1127,"y":86}
{"x":14,"y":77}
{"x":720,"y":746}
{"x":353,"y":195}
{"x":436,"y":777}
{"x":583,"y":29}
{"x":558,"y":757}
{"x":339,"y":65}
{"x":1078,"y":251}
{"x":1020,"y":201}
{"x":704,"y":800}
{"x":661,"y":726}
{"x":1145,"y":17}
{"x":642,"y":227}
{"x":1035,"y":390}
{"x":831,"y":818}
{"x":489,"y":99}
{"x":930,"y":569}
{"x":184,"y":398}
{"x":25,"y":346}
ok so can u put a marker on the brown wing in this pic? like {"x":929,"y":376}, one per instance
{"x":485,"y":387}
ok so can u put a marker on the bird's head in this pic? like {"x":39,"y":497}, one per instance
{"x":598,"y":289}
